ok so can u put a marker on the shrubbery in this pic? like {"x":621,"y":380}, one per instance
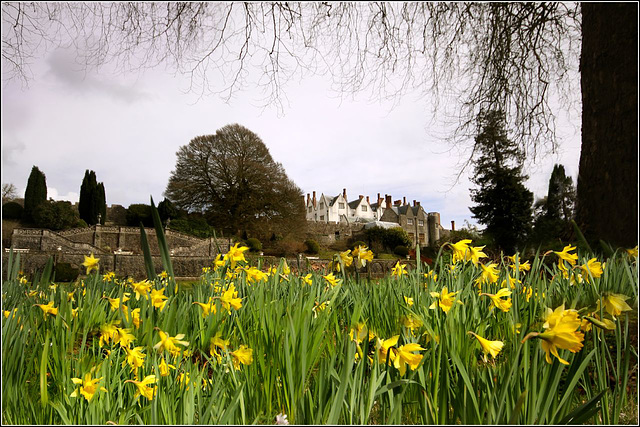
{"x":387,"y":238}
{"x":12,"y":210}
{"x":65,"y":272}
{"x":400,"y":250}
{"x":55,"y":215}
{"x":137,"y":213}
{"x":193,"y":225}
{"x":312,"y":247}
{"x":254,"y":244}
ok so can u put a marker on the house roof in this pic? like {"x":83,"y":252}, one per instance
{"x":354,"y":204}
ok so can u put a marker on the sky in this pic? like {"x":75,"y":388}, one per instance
{"x":128,"y":127}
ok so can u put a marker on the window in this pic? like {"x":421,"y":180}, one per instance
{"x":321,"y":205}
{"x":421,"y":223}
{"x":409,"y":221}
{"x":421,"y":236}
{"x":341,"y":205}
{"x":411,"y":237}
{"x":321,"y":217}
{"x":309,"y":209}
{"x":364,"y":208}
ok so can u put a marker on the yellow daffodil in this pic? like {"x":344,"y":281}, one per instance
{"x":404,"y":355}
{"x":306,"y":279}
{"x":109,"y":276}
{"x":136,"y":317}
{"x":158,"y":298}
{"x":431,"y":275}
{"x":163,"y":275}
{"x":460,"y":250}
{"x":124,"y":337}
{"x":489,"y":274}
{"x":230,"y":299}
{"x":319,"y":307}
{"x":141,"y":289}
{"x":164,"y":367}
{"x":411,"y":322}
{"x":490,"y":347}
{"x":109,"y":332}
{"x":498,"y":302}
{"x":208,"y":307}
{"x":88,"y":387}
{"x":243,"y":355}
{"x":331,"y":279}
{"x":633,"y":252}
{"x":346,"y":258}
{"x":48,"y":309}
{"x":614,"y":304}
{"x":236,"y":254}
{"x":358,"y":333}
{"x":135,"y":358}
{"x":362,"y":254}
{"x":475,"y":253}
{"x":592,"y":268}
{"x":566,"y":256}
{"x":383,"y":347}
{"x":144,"y":388}
{"x":445,"y":299}
{"x":217,"y":342}
{"x":255,"y":275}
{"x":170,"y":343}
{"x":408,"y":301}
{"x":561,"y":333}
{"x":91,"y":263}
{"x":218,"y":262}
{"x":399,"y":269}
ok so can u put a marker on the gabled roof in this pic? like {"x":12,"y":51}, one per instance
{"x":354,"y":204}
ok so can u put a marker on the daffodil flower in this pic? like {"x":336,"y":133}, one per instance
{"x":91,"y":263}
{"x":488,"y":347}
{"x":399,"y":270}
{"x":144,"y":387}
{"x":88,"y":387}
{"x":243,"y":355}
{"x":404,"y":355}
{"x":498,"y":302}
{"x":48,"y":309}
{"x":170,"y":343}
{"x":445,"y":299}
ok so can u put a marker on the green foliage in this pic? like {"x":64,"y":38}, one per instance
{"x":55,"y":215}
{"x":139,"y":213}
{"x":312,"y":247}
{"x":92,"y":204}
{"x":387,"y":238}
{"x":82,"y":223}
{"x":401,"y":251}
{"x":65,"y":272}
{"x":194,"y":225}
{"x":554,"y":212}
{"x":167,"y":210}
{"x":254,"y":244}
{"x":244,"y":189}
{"x":35,"y":193}
{"x":502,"y":202}
{"x":356,"y":244}
{"x":12,"y":210}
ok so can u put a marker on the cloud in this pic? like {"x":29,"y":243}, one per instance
{"x":64,"y":67}
{"x":52,"y":193}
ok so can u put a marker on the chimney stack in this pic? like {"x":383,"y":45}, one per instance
{"x":314,"y":199}
{"x":368,"y":199}
{"x":378,"y":199}
{"x":344,"y":193}
{"x":397,"y":202}
{"x":360,"y":196}
{"x":404,"y":201}
{"x":418,"y":204}
{"x":308,"y":198}
{"x":414,"y":202}
{"x":387,"y":199}
{"x":453,"y":226}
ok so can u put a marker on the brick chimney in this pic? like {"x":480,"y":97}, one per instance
{"x":314,"y":199}
{"x":387,"y":199}
{"x":344,"y":193}
{"x":418,"y":204}
{"x":453,"y":226}
{"x":308,"y":198}
{"x":404,"y":201}
{"x":414,"y":202}
{"x":360,"y":196}
{"x":397,"y":202}
{"x":368,"y":199}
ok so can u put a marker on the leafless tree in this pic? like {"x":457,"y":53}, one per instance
{"x":9,"y":192}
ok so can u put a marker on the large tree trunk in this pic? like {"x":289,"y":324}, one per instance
{"x":607,"y":191}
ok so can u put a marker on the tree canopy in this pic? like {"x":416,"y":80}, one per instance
{"x":36,"y":192}
{"x":231,"y":178}
{"x":502,"y":202}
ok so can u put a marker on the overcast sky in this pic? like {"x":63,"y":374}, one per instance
{"x":127,"y":128}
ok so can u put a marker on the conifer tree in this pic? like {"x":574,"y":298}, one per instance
{"x":502,"y":202}
{"x":101,"y":201}
{"x":93,"y":200}
{"x":555,"y":210}
{"x":35,"y":193}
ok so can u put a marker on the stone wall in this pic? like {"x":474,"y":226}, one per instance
{"x":183,"y":266}
{"x":328,"y":233}
{"x":107,"y":239}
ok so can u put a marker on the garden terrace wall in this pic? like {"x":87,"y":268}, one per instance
{"x":188,"y":267}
